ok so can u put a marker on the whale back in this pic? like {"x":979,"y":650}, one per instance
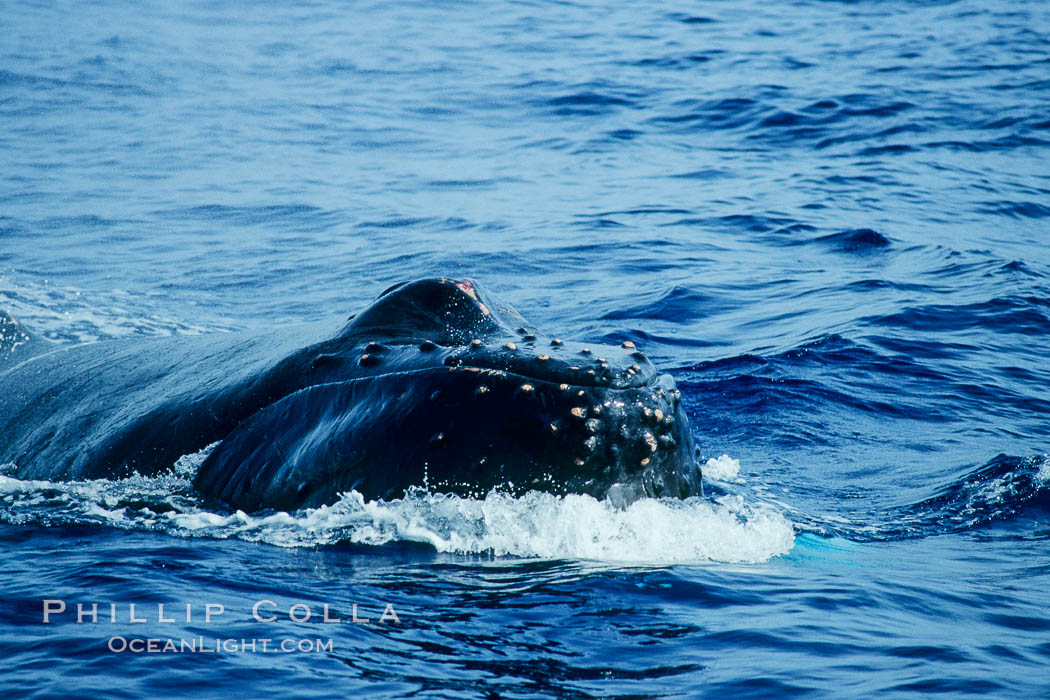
{"x":111,"y":408}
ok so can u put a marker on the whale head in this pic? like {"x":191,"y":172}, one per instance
{"x":439,"y":384}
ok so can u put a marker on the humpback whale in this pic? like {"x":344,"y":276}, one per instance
{"x":436,"y":383}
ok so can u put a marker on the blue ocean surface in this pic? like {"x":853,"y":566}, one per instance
{"x":829,"y":221}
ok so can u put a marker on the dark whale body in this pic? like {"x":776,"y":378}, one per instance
{"x":435,"y":383}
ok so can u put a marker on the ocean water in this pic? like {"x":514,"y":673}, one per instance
{"x":828,"y":220}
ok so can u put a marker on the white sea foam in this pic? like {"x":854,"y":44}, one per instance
{"x":651,"y":531}
{"x":1043,"y":475}
{"x":722,"y":468}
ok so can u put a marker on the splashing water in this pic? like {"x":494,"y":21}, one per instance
{"x":653,"y":531}
{"x":722,"y":468}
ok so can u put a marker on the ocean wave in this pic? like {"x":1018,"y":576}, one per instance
{"x":860,"y":240}
{"x":1020,"y":314}
{"x":1003,"y":489}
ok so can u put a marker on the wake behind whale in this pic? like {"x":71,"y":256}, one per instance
{"x":435,"y":382}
